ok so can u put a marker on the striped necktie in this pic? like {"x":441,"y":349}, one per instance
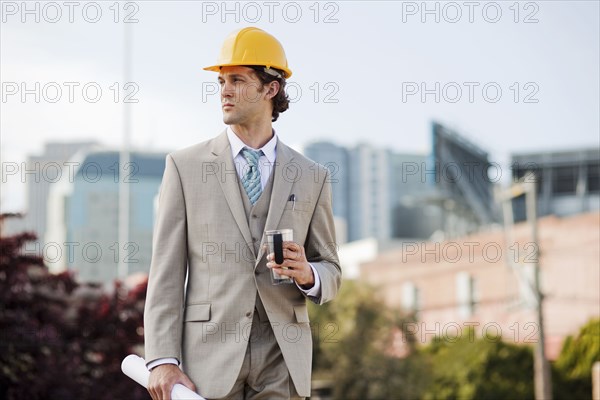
{"x":251,"y":179}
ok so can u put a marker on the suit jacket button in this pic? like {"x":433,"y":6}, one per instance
{"x":249,"y":314}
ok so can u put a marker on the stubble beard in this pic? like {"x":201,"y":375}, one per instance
{"x":230,"y":119}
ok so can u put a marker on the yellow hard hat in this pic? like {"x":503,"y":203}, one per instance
{"x":252,"y":46}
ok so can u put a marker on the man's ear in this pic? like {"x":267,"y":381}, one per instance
{"x":274,"y":87}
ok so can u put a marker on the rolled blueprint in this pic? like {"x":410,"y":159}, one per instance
{"x":135,"y":367}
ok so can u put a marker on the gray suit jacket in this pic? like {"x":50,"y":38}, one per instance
{"x":204,"y":274}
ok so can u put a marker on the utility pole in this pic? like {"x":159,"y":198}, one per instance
{"x":543,"y":383}
{"x":527,"y":186}
{"x":123,"y":223}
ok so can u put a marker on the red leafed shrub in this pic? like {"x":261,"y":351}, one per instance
{"x":60,"y":339}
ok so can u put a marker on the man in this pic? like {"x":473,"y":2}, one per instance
{"x":211,"y":305}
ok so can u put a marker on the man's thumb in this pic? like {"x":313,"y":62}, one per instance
{"x":188,"y":383}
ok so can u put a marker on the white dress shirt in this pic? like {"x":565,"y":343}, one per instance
{"x":266,"y":163}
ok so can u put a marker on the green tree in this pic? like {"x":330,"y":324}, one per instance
{"x":467,"y":367}
{"x":352,"y":337}
{"x":573,"y":368}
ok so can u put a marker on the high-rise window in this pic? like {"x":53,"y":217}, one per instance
{"x":466,"y":294}
{"x":410,"y":297}
{"x":593,"y":177}
{"x":564,"y":179}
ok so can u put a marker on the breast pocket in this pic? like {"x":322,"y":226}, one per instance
{"x":300,"y":206}
{"x":297,"y":218}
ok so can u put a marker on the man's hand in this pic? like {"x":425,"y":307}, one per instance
{"x":163,"y":378}
{"x":294,"y":265}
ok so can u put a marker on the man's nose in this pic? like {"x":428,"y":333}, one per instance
{"x":227,"y":90}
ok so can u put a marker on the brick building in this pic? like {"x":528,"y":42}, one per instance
{"x":467,"y":282}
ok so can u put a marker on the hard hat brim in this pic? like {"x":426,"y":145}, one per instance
{"x":217,"y":68}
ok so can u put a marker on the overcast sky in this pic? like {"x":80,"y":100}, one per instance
{"x":511,"y":77}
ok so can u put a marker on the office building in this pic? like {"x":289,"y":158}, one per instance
{"x":568,"y":182}
{"x":38,"y":173}
{"x":84,"y":215}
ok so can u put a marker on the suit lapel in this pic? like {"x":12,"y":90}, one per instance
{"x":282,"y":187}
{"x":227,"y":177}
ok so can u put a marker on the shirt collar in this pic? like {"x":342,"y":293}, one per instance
{"x":269,"y":149}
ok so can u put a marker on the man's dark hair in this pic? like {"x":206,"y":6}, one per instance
{"x":281,"y":102}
